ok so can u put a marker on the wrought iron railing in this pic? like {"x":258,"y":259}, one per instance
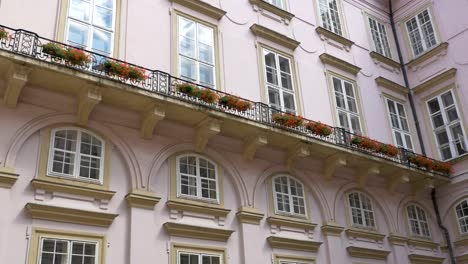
{"x":29,"y":44}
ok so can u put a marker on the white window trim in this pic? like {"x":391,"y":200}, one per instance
{"x":388,"y":29}
{"x":458,"y":218}
{"x":403,"y":132}
{"x":291,"y":205}
{"x":91,"y":27}
{"x":340,"y":17}
{"x":77,"y":154}
{"x":419,"y":222}
{"x":69,"y":242}
{"x":200,"y":255}
{"x":347,"y":111}
{"x":199,"y":190}
{"x":436,"y":33}
{"x":357,"y":225}
{"x":279,"y":87}
{"x":446,"y":125}
{"x":284,"y":4}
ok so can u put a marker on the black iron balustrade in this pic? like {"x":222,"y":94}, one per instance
{"x":30,"y":44}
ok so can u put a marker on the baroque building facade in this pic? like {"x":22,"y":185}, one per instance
{"x":222,"y":131}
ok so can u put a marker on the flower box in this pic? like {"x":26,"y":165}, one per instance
{"x":3,"y":34}
{"x":365,"y":143}
{"x":444,"y":167}
{"x":54,"y":50}
{"x":72,"y":56}
{"x":123,"y":70}
{"x":421,"y":161}
{"x":388,"y":150}
{"x":288,"y":120}
{"x":205,"y":95}
{"x":319,"y":129}
{"x":234,"y":102}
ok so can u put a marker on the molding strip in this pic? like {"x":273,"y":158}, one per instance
{"x":397,"y":239}
{"x":339,"y":63}
{"x":196,"y":208}
{"x":381,"y":58}
{"x":352,"y":232}
{"x":438,"y":79}
{"x":69,"y":215}
{"x":291,"y":222}
{"x":332,"y":35}
{"x":425,"y":56}
{"x":272,"y":9}
{"x":367,"y":253}
{"x":293,"y":244}
{"x":198,"y":232}
{"x":415,"y":242}
{"x":142,"y":199}
{"x":391,"y":85}
{"x":423,"y":259}
{"x":50,"y":186}
{"x":332,"y":229}
{"x":8,"y":177}
{"x":247,"y":215}
{"x":278,"y":38}
{"x":202,"y":7}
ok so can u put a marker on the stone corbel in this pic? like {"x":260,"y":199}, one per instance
{"x":207,"y":129}
{"x":396,"y":180}
{"x":252,"y":144}
{"x":424,"y":184}
{"x":298,"y":151}
{"x":17,"y":77}
{"x":332,"y":163}
{"x":365,"y":171}
{"x":87,"y":100}
{"x":151,"y":118}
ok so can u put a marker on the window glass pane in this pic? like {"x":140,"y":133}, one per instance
{"x":409,"y":143}
{"x":80,"y":10}
{"x":77,"y":34}
{"x":105,"y":3}
{"x":284,"y":65}
{"x":205,"y":53}
{"x":337,"y":85}
{"x":187,"y":46}
{"x":433,"y":106}
{"x":427,"y":29}
{"x":102,"y":41}
{"x":343,"y":119}
{"x":399,"y":139}
{"x":103,"y":17}
{"x":355,"y":124}
{"x":188,"y":69}
{"x":274,"y":98}
{"x":205,"y":35}
{"x":186,"y":28}
{"x":288,"y":101}
{"x":437,"y":120}
{"x":452,"y":114}
{"x":447,"y":99}
{"x":206,"y":75}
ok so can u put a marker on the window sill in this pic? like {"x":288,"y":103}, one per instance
{"x":387,"y":61}
{"x":70,"y":187}
{"x":263,"y":5}
{"x":364,"y":233}
{"x":458,"y":159}
{"x":326,"y":35}
{"x":422,"y":242}
{"x":462,"y":241}
{"x":439,"y":50}
{"x":293,"y":222}
{"x":197,"y":207}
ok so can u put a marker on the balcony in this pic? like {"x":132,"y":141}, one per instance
{"x":200,"y":107}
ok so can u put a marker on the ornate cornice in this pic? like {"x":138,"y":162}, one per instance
{"x":51,"y":186}
{"x":249,"y":215}
{"x":332,"y":229}
{"x":291,"y":222}
{"x":196,"y":208}
{"x":333,"y":36}
{"x":142,"y":199}
{"x":272,"y":9}
{"x":442,"y":47}
{"x":8,"y":177}
{"x":293,"y":244}
{"x":381,"y":58}
{"x":361,"y":233}
{"x":423,"y":259}
{"x":274,"y":36}
{"x":441,"y":77}
{"x":367,"y":253}
{"x":202,"y":7}
{"x":69,"y":215}
{"x":198,"y":232}
{"x":339,"y":63}
{"x":391,"y":85}
{"x":397,"y":239}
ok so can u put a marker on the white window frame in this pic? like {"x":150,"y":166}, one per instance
{"x":290,"y":197}
{"x":423,"y":40}
{"x":196,"y":59}
{"x":447,"y":125}
{"x":362,"y":210}
{"x":76,"y":169}
{"x":463,"y":218}
{"x":91,"y":27}
{"x":383,"y":39}
{"x":420,"y":222}
{"x":400,"y":130}
{"x":282,"y":5}
{"x":69,"y":248}
{"x":346,"y":110}
{"x":279,"y":86}
{"x":198,"y":179}
{"x":199,"y":254}
{"x":341,"y":28}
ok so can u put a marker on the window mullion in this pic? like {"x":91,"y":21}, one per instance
{"x":69,"y":253}
{"x":198,"y":178}
{"x":76,"y":170}
{"x":290,"y":197}
{"x":421,"y":35}
{"x":447,"y":127}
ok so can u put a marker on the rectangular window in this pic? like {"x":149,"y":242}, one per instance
{"x":279,"y":81}
{"x":447,"y":126}
{"x":278,"y":3}
{"x":196,"y":52}
{"x":330,"y":16}
{"x":60,"y":251}
{"x":197,"y":258}
{"x":91,"y":25}
{"x":399,"y":123}
{"x":346,"y":105}
{"x":421,"y":33}
{"x":379,"y":37}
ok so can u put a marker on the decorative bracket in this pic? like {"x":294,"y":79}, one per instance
{"x":365,"y":171}
{"x":426,"y":183}
{"x":87,"y":100}
{"x":252,"y":144}
{"x":397,"y":179}
{"x":151,"y":118}
{"x":205,"y":131}
{"x":332,"y":163}
{"x":298,"y":151}
{"x":17,"y":77}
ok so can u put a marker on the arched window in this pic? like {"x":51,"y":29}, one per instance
{"x":462,"y":216}
{"x":362,"y":214}
{"x":418,"y":221}
{"x":288,"y":196}
{"x":197,"y":178}
{"x":76,"y":153}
